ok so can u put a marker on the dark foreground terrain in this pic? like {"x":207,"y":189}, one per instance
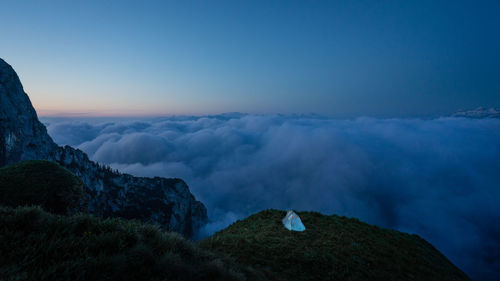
{"x":37,"y":244}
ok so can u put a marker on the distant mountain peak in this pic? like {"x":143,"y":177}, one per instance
{"x":479,"y":112}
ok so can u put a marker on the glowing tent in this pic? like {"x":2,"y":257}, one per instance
{"x":292,"y":222}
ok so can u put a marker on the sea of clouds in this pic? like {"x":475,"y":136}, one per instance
{"x":438,"y":178}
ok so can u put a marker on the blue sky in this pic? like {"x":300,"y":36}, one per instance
{"x":335,"y":58}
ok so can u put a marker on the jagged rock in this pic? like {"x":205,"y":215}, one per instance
{"x":23,"y":137}
{"x":162,"y":201}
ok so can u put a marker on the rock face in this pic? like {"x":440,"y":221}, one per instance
{"x":165,"y":202}
{"x":23,"y":137}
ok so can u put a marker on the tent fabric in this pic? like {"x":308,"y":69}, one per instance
{"x":292,"y":222}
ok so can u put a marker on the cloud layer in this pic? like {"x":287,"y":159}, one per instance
{"x":437,"y":178}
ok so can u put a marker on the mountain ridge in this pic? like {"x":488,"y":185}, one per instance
{"x":480,"y":112}
{"x":164,"y":202}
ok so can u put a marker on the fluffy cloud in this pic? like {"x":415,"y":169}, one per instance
{"x":437,"y":178}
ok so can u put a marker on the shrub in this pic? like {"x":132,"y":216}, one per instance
{"x":42,"y":183}
{"x":36,"y":245}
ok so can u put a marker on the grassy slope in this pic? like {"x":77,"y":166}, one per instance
{"x":36,"y":245}
{"x":331,"y":248}
{"x":41,"y":183}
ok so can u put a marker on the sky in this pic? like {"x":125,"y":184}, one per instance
{"x":334,"y":58}
{"x":340,"y":105}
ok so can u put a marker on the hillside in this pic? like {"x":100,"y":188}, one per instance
{"x":37,"y":245}
{"x":331,"y":248}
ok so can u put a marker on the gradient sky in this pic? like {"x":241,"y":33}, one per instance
{"x":336,"y":58}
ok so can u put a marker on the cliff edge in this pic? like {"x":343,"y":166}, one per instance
{"x":164,"y":202}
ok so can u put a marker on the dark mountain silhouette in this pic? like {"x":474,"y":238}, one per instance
{"x":164,"y":202}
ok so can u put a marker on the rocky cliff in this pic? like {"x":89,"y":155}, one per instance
{"x":165,"y":202}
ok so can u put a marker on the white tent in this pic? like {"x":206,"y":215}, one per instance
{"x":292,"y":222}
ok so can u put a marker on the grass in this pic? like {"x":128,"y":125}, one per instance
{"x":42,"y":183}
{"x":331,"y":248}
{"x":36,"y":245}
